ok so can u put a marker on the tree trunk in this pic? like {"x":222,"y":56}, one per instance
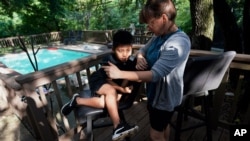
{"x":229,"y":27}
{"x":202,"y":23}
{"x":231,"y":33}
{"x":243,"y":104}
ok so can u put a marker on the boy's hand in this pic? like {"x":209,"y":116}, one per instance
{"x":128,"y":89}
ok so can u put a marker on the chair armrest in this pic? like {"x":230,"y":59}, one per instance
{"x":84,"y":112}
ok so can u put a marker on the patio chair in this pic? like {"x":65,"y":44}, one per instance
{"x":202,"y":76}
{"x":73,"y":37}
{"x":87,"y":116}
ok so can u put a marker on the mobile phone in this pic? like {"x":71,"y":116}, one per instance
{"x":104,"y":63}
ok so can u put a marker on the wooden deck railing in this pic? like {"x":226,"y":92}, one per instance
{"x":44,"y":38}
{"x":70,"y":37}
{"x":24,"y":89}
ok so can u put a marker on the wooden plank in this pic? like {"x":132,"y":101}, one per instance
{"x":76,"y":134}
{"x":106,"y":132}
{"x":225,"y":136}
{"x":241,"y":66}
{"x":60,"y":104}
{"x":79,"y":80}
{"x":198,"y":134}
{"x":185,"y":124}
{"x":217,"y":134}
{"x":41,"y":123}
{"x":140,"y":116}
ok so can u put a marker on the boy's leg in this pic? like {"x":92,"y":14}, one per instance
{"x":110,"y":97}
{"x":76,"y":100}
{"x":97,"y":102}
{"x":121,"y":129}
{"x":69,"y":106}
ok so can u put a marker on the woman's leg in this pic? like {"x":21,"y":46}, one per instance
{"x":160,"y":136}
{"x":159,"y":121}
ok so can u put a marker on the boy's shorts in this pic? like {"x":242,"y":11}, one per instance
{"x":95,"y":83}
{"x":159,"y":119}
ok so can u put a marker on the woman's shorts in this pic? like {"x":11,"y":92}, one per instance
{"x":159,"y":119}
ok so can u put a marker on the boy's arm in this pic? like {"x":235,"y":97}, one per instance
{"x":124,"y":83}
{"x":123,"y":88}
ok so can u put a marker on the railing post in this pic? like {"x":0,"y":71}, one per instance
{"x":36,"y":114}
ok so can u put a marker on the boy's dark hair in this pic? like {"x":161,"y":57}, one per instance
{"x":122,"y":37}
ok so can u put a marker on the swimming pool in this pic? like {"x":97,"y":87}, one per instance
{"x":45,"y":57}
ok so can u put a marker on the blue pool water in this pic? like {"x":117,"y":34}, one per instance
{"x":46,"y":58}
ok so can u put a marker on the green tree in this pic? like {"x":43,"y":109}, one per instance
{"x":183,"y":18}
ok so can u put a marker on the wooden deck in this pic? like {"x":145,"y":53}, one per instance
{"x":138,"y":114}
{"x":26,"y":85}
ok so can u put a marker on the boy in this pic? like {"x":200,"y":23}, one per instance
{"x":107,"y":89}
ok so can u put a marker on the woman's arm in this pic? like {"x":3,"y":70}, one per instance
{"x":141,"y":63}
{"x":114,"y":73}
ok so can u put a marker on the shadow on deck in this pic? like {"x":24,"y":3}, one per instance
{"x":138,"y":114}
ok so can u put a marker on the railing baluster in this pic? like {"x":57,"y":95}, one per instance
{"x":60,"y":104}
{"x":79,"y":80}
{"x":68,"y":86}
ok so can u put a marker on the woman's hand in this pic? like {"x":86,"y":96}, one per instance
{"x":112,"y":71}
{"x":141,"y":63}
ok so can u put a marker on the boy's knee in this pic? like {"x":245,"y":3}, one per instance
{"x":110,"y":89}
{"x":101,"y":101}
{"x":107,"y":89}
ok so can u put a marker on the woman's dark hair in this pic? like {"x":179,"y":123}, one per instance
{"x":155,"y":9}
{"x":122,"y":37}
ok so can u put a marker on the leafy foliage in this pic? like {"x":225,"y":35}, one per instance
{"x":183,"y":19}
{"x":237,"y":8}
{"x":25,"y":17}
